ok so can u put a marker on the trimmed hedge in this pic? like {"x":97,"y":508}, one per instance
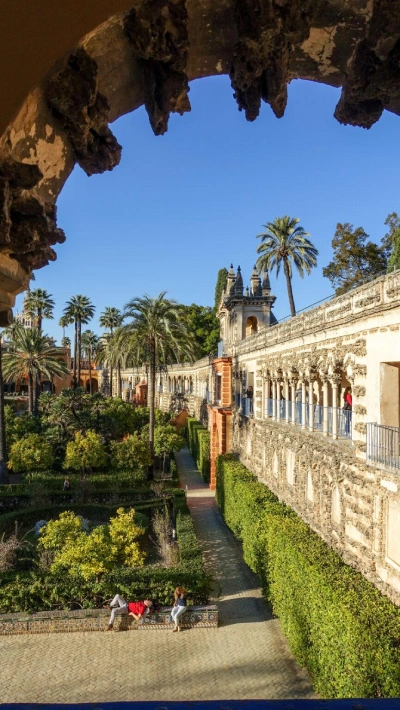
{"x":27,"y":517}
{"x":11,"y":502}
{"x":199,"y":444}
{"x":337,"y":623}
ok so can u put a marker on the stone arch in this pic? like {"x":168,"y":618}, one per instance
{"x":148,"y":55}
{"x":251,"y":326}
{"x":95,"y":385}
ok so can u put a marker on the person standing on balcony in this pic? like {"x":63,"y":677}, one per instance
{"x":347,"y":409}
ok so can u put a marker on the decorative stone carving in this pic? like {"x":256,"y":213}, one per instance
{"x":359,"y":391}
{"x":359,"y":409}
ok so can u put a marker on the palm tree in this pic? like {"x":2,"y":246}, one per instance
{"x":283,"y":243}
{"x":90,"y":345}
{"x":3,"y":451}
{"x":112,"y":318}
{"x":155,"y":333}
{"x":66,"y":342}
{"x":78,"y":310}
{"x":64,"y":322}
{"x":30,"y":357}
{"x":39,"y":304}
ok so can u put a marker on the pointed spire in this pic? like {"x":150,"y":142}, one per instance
{"x":255,"y":283}
{"x":238,"y":287}
{"x":230,"y":280}
{"x":266,"y":286}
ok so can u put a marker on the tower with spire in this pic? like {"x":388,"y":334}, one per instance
{"x":243,"y":312}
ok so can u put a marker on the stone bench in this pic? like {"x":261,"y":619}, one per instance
{"x":50,"y":622}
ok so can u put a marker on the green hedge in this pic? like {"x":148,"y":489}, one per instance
{"x":199,"y":444}
{"x":35,"y":590}
{"x":337,"y":623}
{"x":98,"y":481}
{"x":34,"y":499}
{"x":27,"y":517}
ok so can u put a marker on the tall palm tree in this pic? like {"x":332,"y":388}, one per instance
{"x":156,"y":333}
{"x":112,"y":318}
{"x":78,"y":310}
{"x":90,"y":345}
{"x":30,"y":357}
{"x":66,"y":342}
{"x":64,"y":322}
{"x":39,"y":304}
{"x":285,"y":243}
{"x":3,"y":451}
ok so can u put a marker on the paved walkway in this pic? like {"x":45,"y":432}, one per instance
{"x":246,"y":658}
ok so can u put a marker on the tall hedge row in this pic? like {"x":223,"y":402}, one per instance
{"x":199,"y":445}
{"x":337,"y":623}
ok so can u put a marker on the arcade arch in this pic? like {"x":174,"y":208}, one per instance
{"x":148,"y":55}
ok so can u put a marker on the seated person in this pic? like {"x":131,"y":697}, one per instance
{"x":120,"y":606}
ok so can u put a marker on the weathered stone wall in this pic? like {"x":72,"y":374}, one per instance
{"x":354,"y":507}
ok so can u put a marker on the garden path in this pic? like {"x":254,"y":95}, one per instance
{"x":246,"y":658}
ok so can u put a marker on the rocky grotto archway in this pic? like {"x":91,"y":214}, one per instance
{"x":147,"y":55}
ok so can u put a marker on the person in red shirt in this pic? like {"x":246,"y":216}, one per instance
{"x":120,"y":606}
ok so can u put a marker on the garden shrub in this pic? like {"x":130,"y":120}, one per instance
{"x":85,"y":452}
{"x":131,"y":454}
{"x":91,"y":554}
{"x":199,"y":445}
{"x":337,"y":623}
{"x":31,"y":453}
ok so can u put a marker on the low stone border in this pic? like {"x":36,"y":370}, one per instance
{"x":51,"y":622}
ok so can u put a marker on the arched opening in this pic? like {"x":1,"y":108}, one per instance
{"x":251,"y":326}
{"x":47,"y":386}
{"x":95,"y":385}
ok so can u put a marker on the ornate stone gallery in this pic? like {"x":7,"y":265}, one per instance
{"x":56,"y":111}
{"x":274,"y":396}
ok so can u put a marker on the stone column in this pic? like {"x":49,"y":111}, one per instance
{"x":293,"y":385}
{"x":303,"y":404}
{"x":335,"y":383}
{"x":325,"y":406}
{"x":274,"y":399}
{"x":278,"y":400}
{"x":311,"y":405}
{"x":287,"y":399}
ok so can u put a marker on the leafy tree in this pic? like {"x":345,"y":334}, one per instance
{"x":19,"y":426}
{"x":354,"y":259}
{"x":79,"y":310}
{"x":167,"y":439}
{"x":283,"y":244}
{"x":31,"y":357}
{"x":394,"y":260}
{"x":32,"y":453}
{"x":131,"y":454}
{"x":111,"y":319}
{"x":220,"y":287}
{"x":393,"y":222}
{"x":202,"y":322}
{"x":39,"y":304}
{"x":85,"y":453}
{"x":155,"y":333}
{"x":92,"y":554}
{"x":90,"y":346}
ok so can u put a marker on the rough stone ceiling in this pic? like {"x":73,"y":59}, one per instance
{"x":150,"y":53}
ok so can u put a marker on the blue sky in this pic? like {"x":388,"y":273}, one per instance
{"x":181,"y":206}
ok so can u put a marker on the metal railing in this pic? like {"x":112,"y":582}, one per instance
{"x":337,"y":421}
{"x":383,"y":445}
{"x":247,"y":406}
